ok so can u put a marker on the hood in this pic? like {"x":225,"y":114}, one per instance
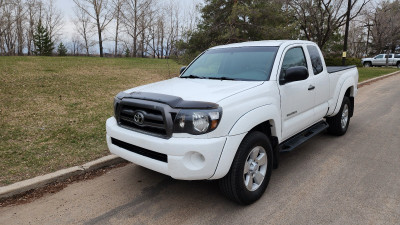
{"x":197,"y":89}
{"x":363,"y":59}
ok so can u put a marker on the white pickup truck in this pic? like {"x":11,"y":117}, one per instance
{"x":381,"y":60}
{"x":231,"y":112}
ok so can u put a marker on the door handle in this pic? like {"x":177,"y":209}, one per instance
{"x":311,"y":87}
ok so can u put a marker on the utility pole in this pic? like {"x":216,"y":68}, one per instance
{"x":346,"y":33}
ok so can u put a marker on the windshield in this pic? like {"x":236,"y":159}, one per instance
{"x":242,"y":63}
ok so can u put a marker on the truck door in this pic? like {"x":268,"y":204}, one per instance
{"x":297,"y":101}
{"x":379,"y":60}
{"x":390,"y":60}
{"x":320,"y":78}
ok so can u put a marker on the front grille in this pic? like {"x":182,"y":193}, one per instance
{"x":141,"y":151}
{"x":156,"y":118}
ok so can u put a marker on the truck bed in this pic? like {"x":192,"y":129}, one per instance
{"x":334,"y":69}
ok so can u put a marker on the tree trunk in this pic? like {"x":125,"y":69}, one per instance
{"x":135,"y":30}
{"x":116,"y":32}
{"x":99,"y":31}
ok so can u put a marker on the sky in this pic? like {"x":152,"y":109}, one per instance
{"x":66,"y":6}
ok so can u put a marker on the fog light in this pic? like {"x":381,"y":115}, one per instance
{"x":194,"y":161}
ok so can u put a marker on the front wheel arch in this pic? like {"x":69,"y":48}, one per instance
{"x":367,"y":64}
{"x":233,"y":184}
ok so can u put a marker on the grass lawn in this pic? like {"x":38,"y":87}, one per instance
{"x":366,"y":73}
{"x":53,"y":109}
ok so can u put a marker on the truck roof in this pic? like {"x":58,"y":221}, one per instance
{"x":265,"y":43}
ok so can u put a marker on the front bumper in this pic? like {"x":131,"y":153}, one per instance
{"x":187,"y":158}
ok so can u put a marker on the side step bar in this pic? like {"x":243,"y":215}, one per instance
{"x":303,"y":136}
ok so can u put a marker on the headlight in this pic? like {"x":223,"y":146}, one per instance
{"x":116,"y":104}
{"x":197,"y":121}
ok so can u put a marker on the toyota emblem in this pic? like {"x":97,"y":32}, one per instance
{"x":138,"y":118}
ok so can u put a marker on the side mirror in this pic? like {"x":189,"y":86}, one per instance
{"x":182,"y":69}
{"x":295,"y":73}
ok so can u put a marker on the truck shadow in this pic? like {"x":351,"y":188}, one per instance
{"x":167,"y":198}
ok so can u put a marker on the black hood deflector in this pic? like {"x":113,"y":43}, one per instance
{"x":172,"y":101}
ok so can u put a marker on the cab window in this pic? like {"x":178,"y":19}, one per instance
{"x":293,"y":57}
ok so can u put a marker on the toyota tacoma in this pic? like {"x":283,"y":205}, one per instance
{"x":231,"y":112}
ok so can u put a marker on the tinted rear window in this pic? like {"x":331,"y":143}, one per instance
{"x":315,"y":59}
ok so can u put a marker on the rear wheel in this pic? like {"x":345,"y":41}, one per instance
{"x":367,"y":64}
{"x":339,"y":123}
{"x":398,"y":65}
{"x":250,"y":171}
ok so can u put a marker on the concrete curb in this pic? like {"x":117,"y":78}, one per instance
{"x":366,"y":82}
{"x":64,"y":174}
{"x":60,"y":175}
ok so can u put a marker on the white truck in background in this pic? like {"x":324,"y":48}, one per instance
{"x":231,"y":112}
{"x":381,"y":60}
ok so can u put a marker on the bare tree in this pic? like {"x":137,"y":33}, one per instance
{"x":84,"y":28}
{"x":101,"y":12}
{"x":320,"y":19}
{"x":9,"y":13}
{"x":134,"y":13}
{"x":357,"y":39}
{"x":118,"y":5}
{"x":32,"y":18}
{"x":76,"y":44}
{"x":160,"y":37}
{"x":386,"y":26}
{"x":52,"y":19}
{"x":19,"y":20}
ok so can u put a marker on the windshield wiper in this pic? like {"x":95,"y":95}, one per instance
{"x":221,"y":78}
{"x":194,"y":77}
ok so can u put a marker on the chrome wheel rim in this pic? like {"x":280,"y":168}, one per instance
{"x":255,"y":168}
{"x":345,"y":116}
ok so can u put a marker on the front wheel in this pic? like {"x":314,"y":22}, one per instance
{"x":367,"y":64}
{"x":250,"y":171}
{"x":339,"y":123}
{"x":398,"y":65}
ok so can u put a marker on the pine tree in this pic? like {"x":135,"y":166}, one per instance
{"x":127,"y":53}
{"x":234,"y":21}
{"x":43,"y":44}
{"x":62,"y":50}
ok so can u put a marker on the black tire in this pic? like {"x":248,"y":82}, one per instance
{"x":398,"y":65}
{"x":367,"y":64}
{"x":233,"y":184}
{"x":336,"y":127}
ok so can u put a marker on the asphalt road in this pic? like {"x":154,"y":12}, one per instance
{"x":354,"y":179}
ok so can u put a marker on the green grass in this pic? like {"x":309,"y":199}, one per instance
{"x":53,"y":109}
{"x":366,"y":73}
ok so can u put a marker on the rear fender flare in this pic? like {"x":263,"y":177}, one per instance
{"x":349,"y":82}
